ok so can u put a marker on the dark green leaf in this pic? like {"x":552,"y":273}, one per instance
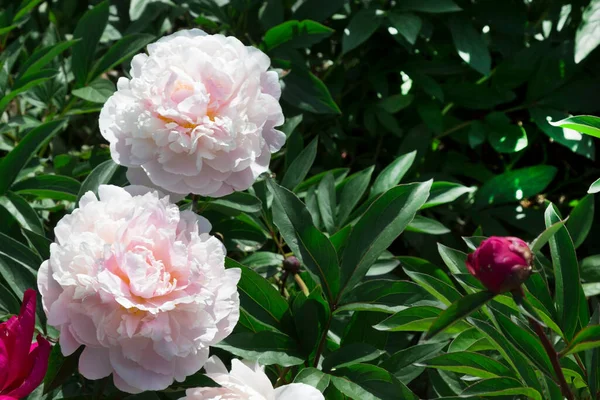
{"x":97,"y":91}
{"x":43,"y":57}
{"x":587,"y":338}
{"x":22,"y":211}
{"x":307,"y":92}
{"x":539,"y":242}
{"x":566,"y":275}
{"x":587,"y":37}
{"x":469,"y":363}
{"x":383,"y":222}
{"x":120,"y":52}
{"x":311,"y":246}
{"x":587,"y":124}
{"x":470,"y":44}
{"x":265,"y":347}
{"x":318,"y":10}
{"x":313,"y":377}
{"x":504,"y":136}
{"x":494,"y":387}
{"x":407,"y":24}
{"x":427,"y":225}
{"x":298,"y":169}
{"x":581,"y":219}
{"x":515,"y":185}
{"x":414,"y":319}
{"x":385,"y":296}
{"x":296,"y":34}
{"x":445,"y":192}
{"x":327,"y":202}
{"x":55,"y":187}
{"x":9,"y":304}
{"x":395,"y":103}
{"x":39,"y":242}
{"x":259,"y":297}
{"x":429,"y":6}
{"x":237,"y":201}
{"x":11,"y":165}
{"x":17,"y":275}
{"x":354,"y":353}
{"x":392,"y":174}
{"x":362,"y":25}
{"x":459,"y":310}
{"x":411,"y":355}
{"x":350,"y":193}
{"x":19,"y":253}
{"x":60,"y":368}
{"x":368,"y":382}
{"x":26,"y":83}
{"x":101,"y":175}
{"x":89,"y":29}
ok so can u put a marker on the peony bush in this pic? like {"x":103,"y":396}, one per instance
{"x":185,"y":240}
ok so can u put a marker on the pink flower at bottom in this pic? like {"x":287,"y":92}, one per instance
{"x":23,"y":364}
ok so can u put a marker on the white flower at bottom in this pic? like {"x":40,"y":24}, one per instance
{"x":247,"y":381}
{"x":141,"y":285}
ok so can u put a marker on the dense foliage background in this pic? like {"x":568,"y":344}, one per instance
{"x":375,"y":92}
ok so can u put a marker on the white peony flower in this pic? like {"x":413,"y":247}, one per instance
{"x":247,"y":381}
{"x":197,"y":116}
{"x":142,"y":285}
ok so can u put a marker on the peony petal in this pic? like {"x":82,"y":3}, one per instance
{"x":94,"y":363}
{"x":39,"y":359}
{"x":295,"y":391}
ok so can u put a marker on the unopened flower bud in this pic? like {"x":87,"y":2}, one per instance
{"x":501,"y":263}
{"x":291,"y":264}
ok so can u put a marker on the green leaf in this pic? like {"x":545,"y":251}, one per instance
{"x":414,"y":319}
{"x":42,"y":57}
{"x":435,"y":281}
{"x":39,"y":242}
{"x":369,"y":382}
{"x":594,"y":187}
{"x":350,"y":192}
{"x":19,"y":253}
{"x":383,"y":222}
{"x":25,"y":8}
{"x":237,"y":202}
{"x":566,"y":275}
{"x":470,"y":44}
{"x":386,"y":296}
{"x":97,"y":91}
{"x":445,"y":192}
{"x":392,"y":174}
{"x":60,"y":368}
{"x":56,"y":187}
{"x":407,"y":24}
{"x":101,"y":175}
{"x":525,"y":341}
{"x":18,"y":276}
{"x":354,"y":353}
{"x":412,"y":355}
{"x":362,"y":25}
{"x":515,"y":185}
{"x":296,"y":34}
{"x":259,"y":297}
{"x":474,"y":364}
{"x":265,"y":347}
{"x":454,"y":259}
{"x":396,"y":102}
{"x":11,"y":165}
{"x":543,"y":238}
{"x":327,"y":202}
{"x":300,"y":166}
{"x":89,"y":29}
{"x":504,"y":136}
{"x":494,"y":387}
{"x":338,"y":173}
{"x":581,"y":219}
{"x":318,"y":10}
{"x":311,"y":246}
{"x":427,"y":225}
{"x":470,"y":340}
{"x":588,"y":124}
{"x":313,"y":377}
{"x":580,"y":144}
{"x":26,"y":83}
{"x":305,"y":91}
{"x":9,"y":304}
{"x":22,"y":211}
{"x":587,"y":37}
{"x":120,"y":52}
{"x":587,"y":338}
{"x":459,"y":310}
{"x":428,"y":6}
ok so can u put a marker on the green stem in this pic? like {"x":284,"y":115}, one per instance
{"x":322,"y":342}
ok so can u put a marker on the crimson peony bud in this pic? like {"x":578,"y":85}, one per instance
{"x":23,"y":365}
{"x":501,"y":263}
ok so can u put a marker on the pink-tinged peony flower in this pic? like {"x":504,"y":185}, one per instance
{"x":501,"y":263}
{"x":247,"y":381}
{"x":141,"y":285}
{"x":197,"y":116}
{"x":23,"y":364}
